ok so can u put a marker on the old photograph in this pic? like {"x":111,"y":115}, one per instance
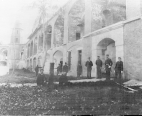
{"x":70,"y":57}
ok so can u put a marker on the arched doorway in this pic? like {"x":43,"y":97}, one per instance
{"x":47,"y":64}
{"x":107,"y":46}
{"x":58,"y":58}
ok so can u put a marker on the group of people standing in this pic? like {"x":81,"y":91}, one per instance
{"x":108,"y":67}
{"x":42,"y":79}
{"x":63,"y":70}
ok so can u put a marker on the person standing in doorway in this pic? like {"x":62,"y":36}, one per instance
{"x":108,"y":65}
{"x":99,"y":66}
{"x":118,"y":68}
{"x":37,"y":70}
{"x":89,"y":65}
{"x":79,"y":70}
{"x":65,"y":68}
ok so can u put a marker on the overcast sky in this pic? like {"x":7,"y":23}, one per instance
{"x":12,"y":11}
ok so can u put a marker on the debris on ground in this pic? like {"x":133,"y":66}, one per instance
{"x":133,"y":82}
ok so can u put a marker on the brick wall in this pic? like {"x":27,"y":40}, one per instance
{"x":133,"y":49}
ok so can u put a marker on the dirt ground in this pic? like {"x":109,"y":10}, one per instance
{"x":68,"y":100}
{"x":100,"y":98}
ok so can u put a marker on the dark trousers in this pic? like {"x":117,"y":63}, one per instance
{"x":118,"y":76}
{"x":99,"y":73}
{"x":89,"y":73}
{"x":107,"y":74}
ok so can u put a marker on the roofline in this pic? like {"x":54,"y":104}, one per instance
{"x":31,"y":35}
{"x":35,"y":31}
{"x":58,"y":11}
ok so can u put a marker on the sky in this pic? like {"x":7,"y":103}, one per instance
{"x":12,"y":11}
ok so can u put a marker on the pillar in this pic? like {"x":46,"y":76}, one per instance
{"x":66,"y":18}
{"x":52,"y":37}
{"x":88,"y":12}
{"x":37,"y":43}
{"x":43,"y":40}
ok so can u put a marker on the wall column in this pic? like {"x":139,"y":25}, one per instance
{"x":88,"y":12}
{"x":66,"y":28}
{"x":52,"y":37}
{"x":37,"y":43}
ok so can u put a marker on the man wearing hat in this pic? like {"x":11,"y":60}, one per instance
{"x":99,"y":66}
{"x":65,"y":68}
{"x":118,"y":68}
{"x":108,"y":64}
{"x":41,"y":79}
{"x":89,"y":65}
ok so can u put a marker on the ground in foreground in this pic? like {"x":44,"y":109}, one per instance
{"x":68,"y":100}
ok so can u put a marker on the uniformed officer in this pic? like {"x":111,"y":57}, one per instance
{"x":118,"y":68}
{"x":108,"y":65}
{"x":89,"y":65}
{"x":99,"y":66}
{"x":65,"y":68}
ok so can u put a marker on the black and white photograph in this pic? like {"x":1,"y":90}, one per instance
{"x":70,"y":57}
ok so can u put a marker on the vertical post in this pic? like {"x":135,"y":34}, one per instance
{"x":52,"y":37}
{"x":88,"y":12}
{"x":51,"y":68}
{"x":33,"y":46}
{"x":65,"y":41}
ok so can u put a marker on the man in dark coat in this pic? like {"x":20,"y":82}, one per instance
{"x":118,"y":68}
{"x":63,"y":79}
{"x":59,"y":69}
{"x":79,"y":70}
{"x":89,"y":65}
{"x":65,"y":68}
{"x":108,"y":64}
{"x":37,"y":70}
{"x":99,"y":66}
{"x":41,"y":79}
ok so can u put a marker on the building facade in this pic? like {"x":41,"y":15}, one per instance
{"x":89,"y":28}
{"x":13,"y":53}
